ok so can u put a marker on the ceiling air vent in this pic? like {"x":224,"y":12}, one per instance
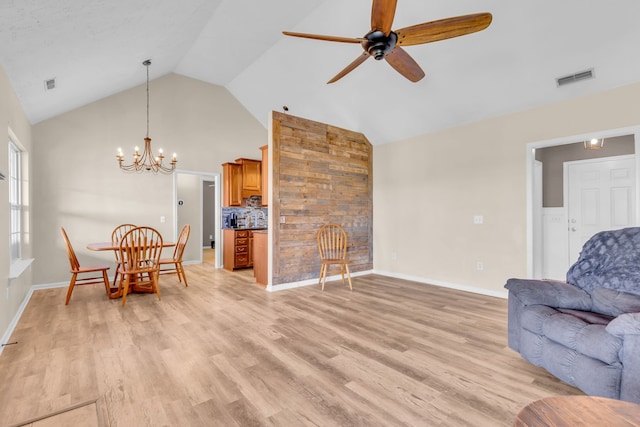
{"x":574,"y":78}
{"x":50,"y":84}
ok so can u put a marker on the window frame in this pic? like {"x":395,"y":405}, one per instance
{"x":15,"y":201}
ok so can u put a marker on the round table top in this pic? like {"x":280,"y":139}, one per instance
{"x":561,"y":411}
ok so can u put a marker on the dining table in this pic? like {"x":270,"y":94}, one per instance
{"x":116,"y":292}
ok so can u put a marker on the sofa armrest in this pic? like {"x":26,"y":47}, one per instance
{"x":627,"y":328}
{"x":552,"y":293}
{"x":625,"y":324}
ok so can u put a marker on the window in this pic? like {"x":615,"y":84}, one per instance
{"x":15,"y":201}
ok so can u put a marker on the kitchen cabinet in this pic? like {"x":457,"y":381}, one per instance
{"x":232,"y":184}
{"x":237,"y":250}
{"x":264,"y":175}
{"x":251,"y":177}
{"x":261,"y":257}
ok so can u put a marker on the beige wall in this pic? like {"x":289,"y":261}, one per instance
{"x":78,"y":185}
{"x":428,"y":189}
{"x":12,"y":117}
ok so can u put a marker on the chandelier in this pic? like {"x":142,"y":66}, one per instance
{"x":147,"y":161}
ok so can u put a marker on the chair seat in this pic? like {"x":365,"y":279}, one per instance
{"x":91,"y":268}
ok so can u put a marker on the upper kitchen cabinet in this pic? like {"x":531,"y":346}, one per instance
{"x":232,"y":184}
{"x":265,"y":175}
{"x":251,"y":177}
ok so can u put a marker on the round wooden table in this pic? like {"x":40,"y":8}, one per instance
{"x":571,"y":411}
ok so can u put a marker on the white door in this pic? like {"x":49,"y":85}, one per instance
{"x":601,"y":196}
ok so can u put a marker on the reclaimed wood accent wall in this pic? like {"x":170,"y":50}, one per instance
{"x":321,"y":174}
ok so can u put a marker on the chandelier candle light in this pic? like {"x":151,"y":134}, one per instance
{"x":147,"y":161}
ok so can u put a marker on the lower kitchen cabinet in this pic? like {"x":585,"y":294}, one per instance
{"x":237,"y":249}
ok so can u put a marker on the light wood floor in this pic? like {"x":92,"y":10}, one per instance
{"x":226,"y":352}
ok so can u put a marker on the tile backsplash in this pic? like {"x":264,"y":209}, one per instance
{"x":247,"y":217}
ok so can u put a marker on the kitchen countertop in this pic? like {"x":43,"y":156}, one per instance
{"x":245,"y":228}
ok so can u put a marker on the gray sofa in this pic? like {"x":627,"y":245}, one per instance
{"x":585,"y":331}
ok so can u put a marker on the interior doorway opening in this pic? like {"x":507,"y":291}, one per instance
{"x":547,"y":216}
{"x":197,"y":202}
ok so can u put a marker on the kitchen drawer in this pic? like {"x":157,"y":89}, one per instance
{"x":242,"y":249}
{"x":242,"y":242}
{"x":241,"y":233}
{"x":242,"y":259}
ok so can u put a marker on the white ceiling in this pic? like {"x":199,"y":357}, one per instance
{"x":95,"y":48}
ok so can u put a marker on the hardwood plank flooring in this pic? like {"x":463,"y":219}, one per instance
{"x":224,"y":352}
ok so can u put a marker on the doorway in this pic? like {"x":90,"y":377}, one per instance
{"x":556,"y":214}
{"x":191,"y":190}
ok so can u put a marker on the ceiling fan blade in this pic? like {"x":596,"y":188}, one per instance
{"x":443,"y":29}
{"x":326,"y":38}
{"x":403,"y":63}
{"x":349,"y":68}
{"x":382,"y":13}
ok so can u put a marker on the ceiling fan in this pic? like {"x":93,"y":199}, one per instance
{"x":381,"y":42}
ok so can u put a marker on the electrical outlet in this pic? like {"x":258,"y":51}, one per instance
{"x":478,"y":219}
{"x":283,"y":219}
{"x":210,"y":236}
{"x":163,"y":219}
{"x":394,"y":256}
{"x":479,"y":265}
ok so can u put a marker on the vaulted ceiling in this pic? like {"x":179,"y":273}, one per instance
{"x":95,"y":48}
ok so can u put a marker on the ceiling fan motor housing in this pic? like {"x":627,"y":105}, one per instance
{"x":378,"y":45}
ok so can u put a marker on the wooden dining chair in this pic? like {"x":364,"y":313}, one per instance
{"x":83,"y":275}
{"x":173,"y":265}
{"x":332,"y":245}
{"x":140,"y":250}
{"x":116,"y":237}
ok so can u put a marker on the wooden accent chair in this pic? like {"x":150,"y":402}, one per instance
{"x":332,"y":245}
{"x":173,"y":265}
{"x":77,"y":270}
{"x":116,"y":237}
{"x":140,"y":250}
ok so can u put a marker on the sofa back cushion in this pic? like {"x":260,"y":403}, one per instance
{"x":609,"y":259}
{"x":614,"y":303}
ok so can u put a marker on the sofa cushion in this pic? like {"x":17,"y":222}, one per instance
{"x":625,"y":324}
{"x":572,"y":332}
{"x":549,"y":292}
{"x":614,"y":303}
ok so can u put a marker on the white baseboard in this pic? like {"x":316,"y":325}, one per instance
{"x":481,"y":291}
{"x":309,"y":282}
{"x":23,"y":305}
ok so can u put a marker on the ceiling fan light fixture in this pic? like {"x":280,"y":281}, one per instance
{"x":594,"y":144}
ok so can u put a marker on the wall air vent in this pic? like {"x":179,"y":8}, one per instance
{"x":574,"y":78}
{"x":50,"y":84}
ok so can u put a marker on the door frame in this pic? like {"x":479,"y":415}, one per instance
{"x":204,"y":176}
{"x":532,"y":250}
